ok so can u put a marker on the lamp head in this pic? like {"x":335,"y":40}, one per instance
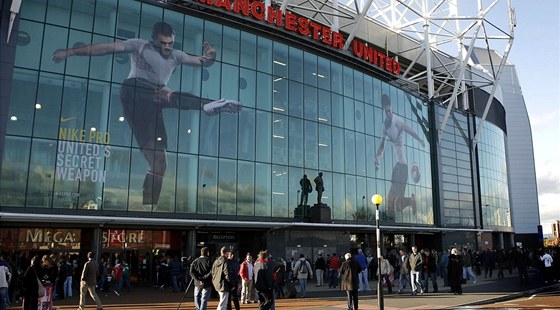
{"x":376,"y":199}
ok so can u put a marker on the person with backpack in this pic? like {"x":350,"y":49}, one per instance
{"x":303,"y":271}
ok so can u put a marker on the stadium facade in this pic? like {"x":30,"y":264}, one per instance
{"x":339,"y":94}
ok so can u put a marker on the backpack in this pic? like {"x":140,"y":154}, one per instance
{"x":303,"y":267}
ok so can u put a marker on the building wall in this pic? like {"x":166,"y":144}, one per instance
{"x":69,"y":145}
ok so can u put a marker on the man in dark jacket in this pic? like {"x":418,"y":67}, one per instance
{"x":349,"y":280}
{"x":222,"y":278}
{"x":264,"y":281}
{"x":88,"y":281}
{"x":201,"y":273}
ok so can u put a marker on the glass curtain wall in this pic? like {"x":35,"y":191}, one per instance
{"x":76,"y":140}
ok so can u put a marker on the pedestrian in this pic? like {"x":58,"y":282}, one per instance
{"x":118,"y":276}
{"x":468,"y":266}
{"x":280,"y":278}
{"x":488,"y":261}
{"x":49,"y":276}
{"x":88,"y":281}
{"x":264,"y":281}
{"x":320,"y":267}
{"x":363,"y":276}
{"x":221,"y":277}
{"x":303,"y":272}
{"x":30,"y":284}
{"x":404,"y":276}
{"x":246,"y":274}
{"x":175,"y":274}
{"x":66,"y":272}
{"x":349,"y":281}
{"x":234,"y":272}
{"x":548,"y":270}
{"x":442,"y":265}
{"x":5,"y":278}
{"x":201,"y":273}
{"x":455,"y":272}
{"x":521,"y":261}
{"x":334,"y":265}
{"x":126,"y":276}
{"x":429,"y":271}
{"x":385,"y":276}
{"x":415,"y":261}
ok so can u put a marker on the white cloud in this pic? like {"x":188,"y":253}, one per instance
{"x":549,"y":211}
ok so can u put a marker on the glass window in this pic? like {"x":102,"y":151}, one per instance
{"x":30,"y":42}
{"x":247,"y":85}
{"x":295,"y":139}
{"x":348,"y":89}
{"x":228,"y":135}
{"x":78,"y":65}
{"x":245,"y":188}
{"x":264,"y":55}
{"x":189,"y":191}
{"x":248,"y":51}
{"x":209,"y":135}
{"x":208,"y":178}
{"x":82,"y":15}
{"x":58,"y":12}
{"x":15,"y":169}
{"x":336,"y":78}
{"x":360,"y":154}
{"x":338,"y":206}
{"x":280,"y":139}
{"x":280,"y":191}
{"x":324,"y":107}
{"x":280,"y":60}
{"x":105,"y":17}
{"x":54,"y":38}
{"x":358,"y":86}
{"x":310,"y":103}
{"x":246,"y":133}
{"x":230,"y":87}
{"x":102,"y":66}
{"x":263,"y":189}
{"x":231,"y":46}
{"x":296,"y":65}
{"x":337,"y":149}
{"x":41,"y":174}
{"x":265,"y":90}
{"x":350,"y":206}
{"x":337,"y":110}
{"x":323,"y":73}
{"x":349,"y":113}
{"x":359,"y":116}
{"x":265,"y":136}
{"x":115,"y":192}
{"x":310,"y":144}
{"x":34,"y":10}
{"x":280,"y":95}
{"x":128,"y":19}
{"x":310,"y":69}
{"x":47,"y":107}
{"x":23,"y":102}
{"x":227,"y":185}
{"x":350,"y":151}
{"x":296,"y":99}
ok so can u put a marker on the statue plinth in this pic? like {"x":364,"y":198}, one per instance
{"x":320,"y":213}
{"x":302,"y":212}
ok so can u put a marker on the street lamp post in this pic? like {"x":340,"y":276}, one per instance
{"x":376,"y":200}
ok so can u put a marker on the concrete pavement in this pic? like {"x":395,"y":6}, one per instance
{"x":484,"y":291}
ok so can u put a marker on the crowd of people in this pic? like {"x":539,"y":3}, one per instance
{"x":264,"y":279}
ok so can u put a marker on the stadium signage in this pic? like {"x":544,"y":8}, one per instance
{"x":303,"y":26}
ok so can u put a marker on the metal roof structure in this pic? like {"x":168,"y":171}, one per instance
{"x":436,"y":35}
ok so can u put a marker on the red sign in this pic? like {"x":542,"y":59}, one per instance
{"x":303,"y":26}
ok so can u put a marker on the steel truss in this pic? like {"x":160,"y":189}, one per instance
{"x":436,"y":35}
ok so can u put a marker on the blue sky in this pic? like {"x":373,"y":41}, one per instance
{"x":535,"y":54}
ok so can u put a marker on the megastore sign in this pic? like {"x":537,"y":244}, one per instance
{"x":303,"y":26}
